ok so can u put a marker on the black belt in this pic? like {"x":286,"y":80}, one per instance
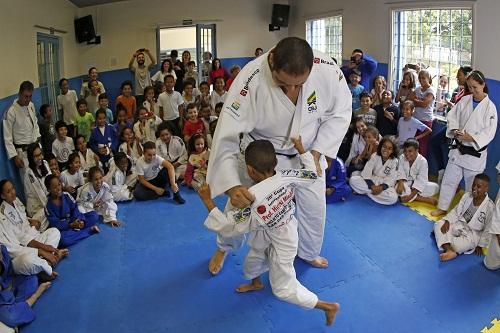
{"x":24,"y":147}
{"x":467,"y":150}
{"x":287,"y":155}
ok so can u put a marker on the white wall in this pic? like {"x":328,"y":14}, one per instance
{"x":366,"y":25}
{"x":242,"y":26}
{"x":18,"y":39}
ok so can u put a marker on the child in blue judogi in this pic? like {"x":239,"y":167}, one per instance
{"x":18,"y":293}
{"x":63,"y":214}
{"x":103,"y":139}
{"x":337,"y":188}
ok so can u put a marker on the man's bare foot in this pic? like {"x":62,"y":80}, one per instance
{"x":41,"y":289}
{"x":438,"y":212}
{"x":256,"y":284}
{"x":319,"y":262}
{"x":95,"y":229}
{"x":448,"y":255}
{"x":217,"y":261}
{"x":330,"y":309}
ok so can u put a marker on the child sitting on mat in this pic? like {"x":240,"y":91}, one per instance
{"x":492,"y":260}
{"x":270,"y":218}
{"x":337,"y":188}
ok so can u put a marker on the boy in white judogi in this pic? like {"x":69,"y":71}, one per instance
{"x":96,"y":196}
{"x":31,"y":251}
{"x":120,"y":177}
{"x":492,"y":260}
{"x":270,"y":219}
{"x":413,"y":180}
{"x":462,"y":230}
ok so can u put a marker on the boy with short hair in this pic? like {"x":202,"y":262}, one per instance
{"x":171,"y":106}
{"x":463,"y":229}
{"x":369,"y":115}
{"x":66,"y":103}
{"x":270,"y":218}
{"x":356,"y":89}
{"x":62,"y":145}
{"x":191,"y":73}
{"x":47,"y":129}
{"x":84,"y":120}
{"x":103,"y":102}
{"x":153,"y":173}
{"x":193,"y":124}
{"x":412,"y":182}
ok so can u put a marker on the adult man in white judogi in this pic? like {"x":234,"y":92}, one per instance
{"x":20,"y":127}
{"x":289,"y":91}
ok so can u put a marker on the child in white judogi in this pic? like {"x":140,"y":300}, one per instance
{"x":413,"y":180}
{"x":492,"y":260}
{"x":32,"y":251}
{"x":88,"y":158}
{"x":131,"y":146}
{"x":120,"y":177}
{"x":379,"y":174}
{"x":96,"y":196}
{"x":273,"y":226}
{"x":172,"y":149}
{"x":462,"y":230}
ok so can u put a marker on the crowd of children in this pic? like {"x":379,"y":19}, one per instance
{"x":93,"y":157}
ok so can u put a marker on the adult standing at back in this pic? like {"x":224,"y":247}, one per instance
{"x":284,"y":94}
{"x":20,"y":127}
{"x":363,"y":64}
{"x":85,"y":90}
{"x":142,"y":77}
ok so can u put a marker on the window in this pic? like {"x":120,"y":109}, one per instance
{"x":440,"y":39}
{"x":325,"y":35}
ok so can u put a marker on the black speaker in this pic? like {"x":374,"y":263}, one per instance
{"x":84,"y":29}
{"x":280,"y":15}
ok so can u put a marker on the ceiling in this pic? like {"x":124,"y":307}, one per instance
{"x":88,"y":3}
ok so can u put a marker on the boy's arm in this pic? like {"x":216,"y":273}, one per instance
{"x":171,"y":173}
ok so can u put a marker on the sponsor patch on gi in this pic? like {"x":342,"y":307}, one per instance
{"x":316,"y":60}
{"x":311,"y":102}
{"x":243,"y":92}
{"x":241,"y":215}
{"x":236,"y":105}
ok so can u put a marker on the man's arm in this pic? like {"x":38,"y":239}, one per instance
{"x":8,"y":124}
{"x":131,"y":62}
{"x":151,"y":57}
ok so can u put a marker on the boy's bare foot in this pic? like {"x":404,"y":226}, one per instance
{"x":448,"y":255}
{"x":431,"y":201}
{"x":115,"y":223}
{"x":217,"y":262}
{"x":62,"y":253}
{"x":95,"y":229}
{"x":256,"y":284}
{"x":41,"y":289}
{"x":44,"y":277}
{"x":330,"y":309}
{"x":319,"y":262}
{"x":438,"y":212}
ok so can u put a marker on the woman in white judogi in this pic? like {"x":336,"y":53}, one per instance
{"x":379,"y":174}
{"x":96,"y":196}
{"x":462,"y":230}
{"x":492,"y":260}
{"x":266,"y":102}
{"x":172,"y":149}
{"x":34,"y":187}
{"x":413,"y":176}
{"x":472,"y":123}
{"x":272,"y":225}
{"x":31,"y":251}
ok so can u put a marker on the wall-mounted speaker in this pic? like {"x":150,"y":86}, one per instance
{"x":84,"y":29}
{"x":280,"y":15}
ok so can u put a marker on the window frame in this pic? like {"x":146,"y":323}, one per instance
{"x":324,"y":16}
{"x":398,"y":6}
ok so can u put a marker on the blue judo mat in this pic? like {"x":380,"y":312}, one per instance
{"x":151,"y":276}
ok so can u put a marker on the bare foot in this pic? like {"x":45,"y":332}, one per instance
{"x":438,"y":212}
{"x":319,"y":262}
{"x":406,"y":198}
{"x":41,"y":289}
{"x":115,"y":223}
{"x":330,"y":309}
{"x":255,"y":285}
{"x":95,"y":229}
{"x":217,"y":262}
{"x":62,"y":253}
{"x":448,"y":255}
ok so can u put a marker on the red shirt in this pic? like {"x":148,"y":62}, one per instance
{"x":192,"y":128}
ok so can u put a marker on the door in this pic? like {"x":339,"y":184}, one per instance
{"x":48,"y":69}
{"x":206,"y":49}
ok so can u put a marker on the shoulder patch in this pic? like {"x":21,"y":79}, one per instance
{"x":241,"y":215}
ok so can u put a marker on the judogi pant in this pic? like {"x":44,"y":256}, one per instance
{"x":386,"y":197}
{"x":311,"y":211}
{"x":282,"y":276}
{"x":15,"y":312}
{"x":492,"y":259}
{"x":430,"y":190}
{"x":453,"y":174}
{"x":342,"y":191}
{"x":70,"y":237}
{"x":31,"y":263}
{"x":457,"y":236}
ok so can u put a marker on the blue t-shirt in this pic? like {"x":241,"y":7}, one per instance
{"x":355,"y":92}
{"x":408,"y":128}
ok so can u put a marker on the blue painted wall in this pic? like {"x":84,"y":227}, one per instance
{"x":113,"y":79}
